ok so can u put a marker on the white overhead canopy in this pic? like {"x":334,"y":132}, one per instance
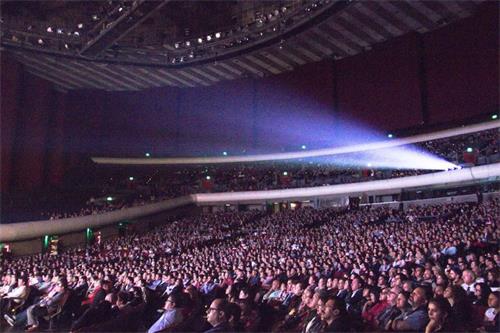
{"x":28,"y":230}
{"x":300,"y":154}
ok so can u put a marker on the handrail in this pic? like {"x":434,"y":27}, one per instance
{"x":33,"y":229}
{"x":301,"y":154}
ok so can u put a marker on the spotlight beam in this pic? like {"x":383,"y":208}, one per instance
{"x":299,"y":154}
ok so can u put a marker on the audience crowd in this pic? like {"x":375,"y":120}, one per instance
{"x":174,"y":181}
{"x":424,"y":269}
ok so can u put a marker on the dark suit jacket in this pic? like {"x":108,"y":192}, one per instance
{"x":224,"y":327}
{"x":342,"y":293}
{"x":354,"y":301}
{"x":127,"y":319}
{"x":342,"y":324}
{"x":99,"y":297}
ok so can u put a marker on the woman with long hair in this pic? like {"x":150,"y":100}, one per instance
{"x":460,"y":305}
{"x":440,"y":316}
{"x":481,"y":293}
{"x":491,"y":318}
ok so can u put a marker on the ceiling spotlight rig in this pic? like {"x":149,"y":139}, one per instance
{"x":100,"y":34}
{"x":266,"y":25}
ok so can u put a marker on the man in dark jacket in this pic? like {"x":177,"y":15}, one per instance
{"x":354,"y":299}
{"x":334,"y":315}
{"x":218,"y":316}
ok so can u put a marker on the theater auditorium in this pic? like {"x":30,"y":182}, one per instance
{"x":250,"y":166}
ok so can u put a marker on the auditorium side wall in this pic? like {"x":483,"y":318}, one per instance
{"x":75,"y":239}
{"x":446,"y":75}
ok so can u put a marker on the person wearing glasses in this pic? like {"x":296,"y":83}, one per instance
{"x":334,"y":315}
{"x":171,"y":317}
{"x":218,"y":316}
{"x":417,"y":318}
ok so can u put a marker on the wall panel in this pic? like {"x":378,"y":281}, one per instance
{"x":382,"y":87}
{"x":462,"y":67}
{"x":10,"y":86}
{"x":32,"y":139}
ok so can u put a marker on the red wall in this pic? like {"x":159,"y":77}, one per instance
{"x":35,"y":131}
{"x":461,"y":63}
{"x":10,"y":87}
{"x":33,"y":116}
{"x":382,"y":87}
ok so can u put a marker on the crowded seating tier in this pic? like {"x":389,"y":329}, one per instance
{"x":426,"y":268}
{"x":118,"y":187}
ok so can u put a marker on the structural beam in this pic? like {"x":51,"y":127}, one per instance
{"x":126,"y":22}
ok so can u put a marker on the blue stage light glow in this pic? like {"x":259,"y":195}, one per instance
{"x":406,"y":157}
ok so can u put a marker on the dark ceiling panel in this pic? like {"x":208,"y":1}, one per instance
{"x":354,"y":28}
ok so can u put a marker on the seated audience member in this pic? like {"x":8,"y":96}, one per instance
{"x":440,"y":319}
{"x":122,"y":316}
{"x":461,"y":307}
{"x":416,"y":318}
{"x":376,"y":304}
{"x":312,"y":322}
{"x":98,"y":293}
{"x":469,"y":281}
{"x":402,"y":307}
{"x":481,"y":293}
{"x":491,"y":320}
{"x":295,"y":316}
{"x":47,"y":306}
{"x":94,"y":315}
{"x":172,"y":316}
{"x":274,"y":292}
{"x":16,"y":296}
{"x":391,"y":311}
{"x":234,"y":321}
{"x":354,"y":299}
{"x":218,"y":316}
{"x":493,"y":279}
{"x":250,"y":317}
{"x":334,"y":315}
